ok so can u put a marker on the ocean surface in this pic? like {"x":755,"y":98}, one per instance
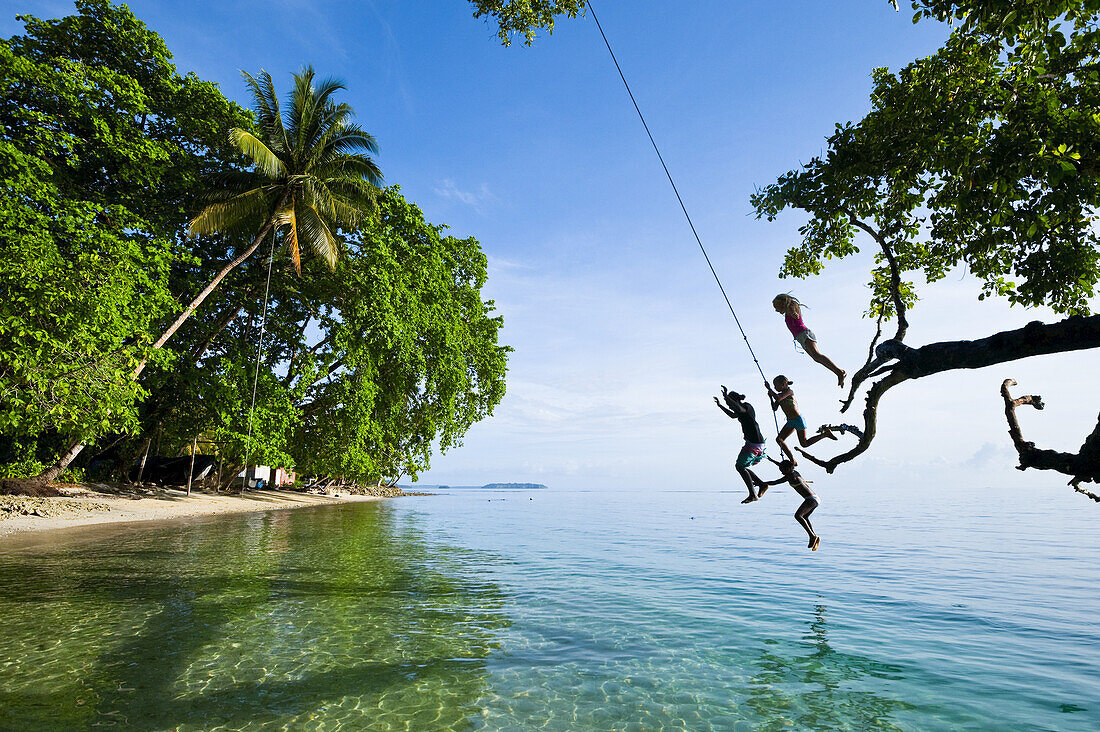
{"x":956,"y":609}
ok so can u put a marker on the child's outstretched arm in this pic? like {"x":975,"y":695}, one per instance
{"x":728,"y":412}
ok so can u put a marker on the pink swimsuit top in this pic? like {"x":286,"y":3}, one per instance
{"x":795,"y":324}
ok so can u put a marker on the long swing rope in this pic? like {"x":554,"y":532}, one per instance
{"x":683,"y":207}
{"x":259,"y":356}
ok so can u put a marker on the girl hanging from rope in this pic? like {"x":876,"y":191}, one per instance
{"x":783,"y":396}
{"x":791,"y":310}
{"x":802,"y":487}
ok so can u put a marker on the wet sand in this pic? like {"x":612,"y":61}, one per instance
{"x":87,"y":506}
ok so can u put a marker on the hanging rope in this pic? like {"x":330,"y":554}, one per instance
{"x":675,"y":190}
{"x":259,"y":355}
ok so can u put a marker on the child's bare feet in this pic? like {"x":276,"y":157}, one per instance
{"x":750,"y":499}
{"x":761,"y":491}
{"x":810,"y":545}
{"x":816,"y":542}
{"x":840,"y":377}
{"x":829,"y":433}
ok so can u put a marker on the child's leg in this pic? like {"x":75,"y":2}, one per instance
{"x":782,"y":440}
{"x":802,"y":516}
{"x":811,"y":348}
{"x":807,"y":441}
{"x":750,"y":482}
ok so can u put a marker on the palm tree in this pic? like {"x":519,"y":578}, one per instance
{"x":311,"y":175}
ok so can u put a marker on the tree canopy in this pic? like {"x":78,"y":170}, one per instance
{"x":983,"y":156}
{"x":382,"y":349}
{"x":93,"y":120}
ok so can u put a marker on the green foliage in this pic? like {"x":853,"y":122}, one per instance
{"x":382,"y":350}
{"x":982,"y":154}
{"x":525,"y":16}
{"x":93,"y":117}
{"x":367,"y":368}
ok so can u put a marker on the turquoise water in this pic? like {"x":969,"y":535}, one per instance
{"x":565,"y":611}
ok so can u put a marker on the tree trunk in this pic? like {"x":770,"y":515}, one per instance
{"x":210,"y":288}
{"x":51,"y":473}
{"x":191,"y":471}
{"x":144,"y":457}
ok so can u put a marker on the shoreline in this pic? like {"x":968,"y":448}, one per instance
{"x":85,"y":506}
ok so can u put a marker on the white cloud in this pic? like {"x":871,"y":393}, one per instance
{"x":477,"y":199}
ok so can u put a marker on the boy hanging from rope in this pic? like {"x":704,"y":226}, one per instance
{"x":753,"y":451}
{"x":802,"y":487}
{"x":783,"y":396}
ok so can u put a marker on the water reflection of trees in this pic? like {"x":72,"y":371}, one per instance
{"x":289,"y":617}
{"x":817,"y":687}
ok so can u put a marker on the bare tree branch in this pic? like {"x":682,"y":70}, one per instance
{"x":864,"y":371}
{"x":1084,"y":466}
{"x":870,"y":424}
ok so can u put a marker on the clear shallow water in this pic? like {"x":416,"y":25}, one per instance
{"x":565,"y":611}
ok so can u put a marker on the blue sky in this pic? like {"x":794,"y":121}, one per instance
{"x":621,"y":336}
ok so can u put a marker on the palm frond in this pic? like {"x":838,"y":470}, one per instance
{"x":313,"y":110}
{"x":316,"y":195}
{"x":300,"y":105}
{"x":352,"y":167}
{"x":228,"y":215}
{"x":266,"y":161}
{"x":318,"y":234}
{"x":342,"y":139}
{"x":231,"y":183}
{"x":357,"y":191}
{"x":350,"y":214}
{"x":347,"y":205}
{"x":263,"y":95}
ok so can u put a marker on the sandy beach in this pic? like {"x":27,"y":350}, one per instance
{"x":89,"y":505}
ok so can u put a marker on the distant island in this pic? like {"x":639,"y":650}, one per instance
{"x":499,"y":486}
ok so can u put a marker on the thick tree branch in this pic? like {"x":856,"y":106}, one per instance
{"x":1034,"y":339}
{"x":1084,"y":466}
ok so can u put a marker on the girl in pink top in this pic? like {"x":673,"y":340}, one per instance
{"x":791,"y":311}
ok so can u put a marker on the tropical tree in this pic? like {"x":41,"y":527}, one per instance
{"x":93,"y":118}
{"x":982,"y":155}
{"x":311,"y":175}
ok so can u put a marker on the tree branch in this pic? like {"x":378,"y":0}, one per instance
{"x":1084,"y":466}
{"x":895,"y":274}
{"x":1034,"y":339}
{"x":864,"y":371}
{"x":870,"y":422}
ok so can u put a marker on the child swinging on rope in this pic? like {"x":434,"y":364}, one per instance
{"x":783,"y":396}
{"x":753,"y":451}
{"x":802,"y":487}
{"x":791,"y":310}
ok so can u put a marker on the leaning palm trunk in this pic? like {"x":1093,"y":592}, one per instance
{"x":53,"y":472}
